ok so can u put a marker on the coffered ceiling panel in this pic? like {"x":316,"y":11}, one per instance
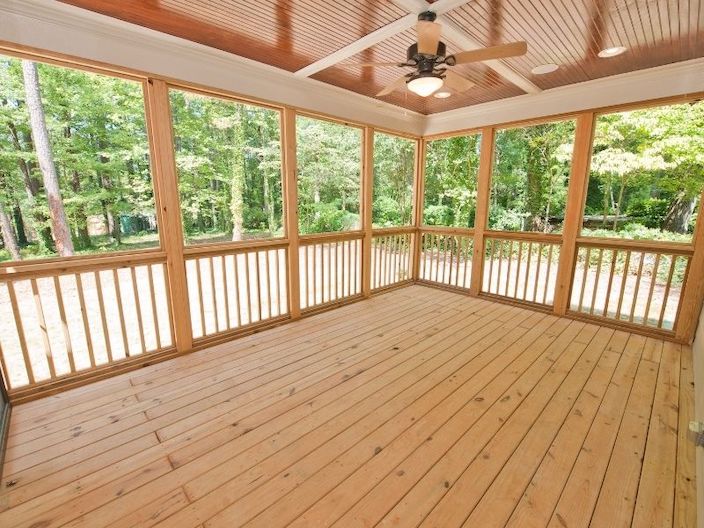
{"x":293,"y":34}
{"x":570,"y":33}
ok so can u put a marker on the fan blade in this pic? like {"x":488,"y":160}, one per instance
{"x":495,"y":52}
{"x":428,"y":36}
{"x":398,"y":83}
{"x":457,"y":82}
{"x":371,"y":64}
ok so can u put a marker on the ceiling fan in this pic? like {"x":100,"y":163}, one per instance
{"x":430,"y":62}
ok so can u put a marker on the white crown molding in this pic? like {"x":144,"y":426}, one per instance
{"x":51,"y":25}
{"x":680,"y":78}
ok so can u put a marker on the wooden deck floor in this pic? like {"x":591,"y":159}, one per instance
{"x":419,"y":407}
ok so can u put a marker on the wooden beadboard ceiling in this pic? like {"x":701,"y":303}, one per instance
{"x":291,"y":34}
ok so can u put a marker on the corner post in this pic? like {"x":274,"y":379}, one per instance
{"x":168,"y":208}
{"x":576,"y":191}
{"x":481,"y":218}
{"x":418,"y":205}
{"x":693,"y":289}
{"x":290,"y":195}
{"x":366,"y":208}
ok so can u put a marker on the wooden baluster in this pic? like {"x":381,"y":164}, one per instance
{"x":155,"y":316}
{"x":84,"y":317}
{"x":29,"y":368}
{"x":236,"y":275}
{"x":248,"y":280}
{"x":467,"y":260}
{"x":267,"y":260}
{"x":548,"y":274}
{"x":622,"y":291}
{"x":43,"y":328}
{"x":138,"y":309}
{"x":277,"y":263}
{"x":639,"y":276}
{"x":120,"y":310}
{"x":597,"y":279}
{"x":666,"y":294}
{"x":225,"y":290}
{"x":519,"y":267}
{"x":537,"y":271}
{"x":528,"y":265}
{"x":103,"y":318}
{"x":492,"y":243}
{"x":258,"y":283}
{"x":610,"y":283}
{"x":199,"y":296}
{"x":315,"y":274}
{"x":508,"y":267}
{"x":587,"y":264}
{"x":64,"y":321}
{"x":653,"y":281}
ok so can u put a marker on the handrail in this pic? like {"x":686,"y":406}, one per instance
{"x":227,"y":248}
{"x":651,"y":246}
{"x":447,"y":230}
{"x":330,"y":237}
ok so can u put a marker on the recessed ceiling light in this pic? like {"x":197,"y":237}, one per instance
{"x":442,"y":94}
{"x":611,"y":52}
{"x":544,"y":68}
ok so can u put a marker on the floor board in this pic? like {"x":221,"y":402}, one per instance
{"x":418,"y":407}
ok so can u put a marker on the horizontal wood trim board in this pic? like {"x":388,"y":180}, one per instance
{"x":441,"y":230}
{"x":61,"y":266}
{"x":78,"y":379}
{"x":324,"y":238}
{"x":234,"y":247}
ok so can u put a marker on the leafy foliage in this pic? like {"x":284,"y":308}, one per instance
{"x":393,"y":181}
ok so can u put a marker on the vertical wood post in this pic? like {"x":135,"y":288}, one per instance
{"x":418,"y":205}
{"x":693,"y":289}
{"x":576,"y":191}
{"x":168,"y":208}
{"x":290,"y":195}
{"x":481,"y":218}
{"x":366,"y":208}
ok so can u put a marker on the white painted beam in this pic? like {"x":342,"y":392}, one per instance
{"x":381,"y":34}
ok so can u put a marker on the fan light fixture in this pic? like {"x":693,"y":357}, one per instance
{"x":425,"y":84}
{"x":611,"y":52}
{"x":544,"y":68}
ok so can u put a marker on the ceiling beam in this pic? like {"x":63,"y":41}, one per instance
{"x":381,"y":34}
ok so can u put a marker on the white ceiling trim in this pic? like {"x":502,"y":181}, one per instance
{"x":680,"y":78}
{"x":53,"y":26}
{"x":457,"y":35}
{"x":381,"y":34}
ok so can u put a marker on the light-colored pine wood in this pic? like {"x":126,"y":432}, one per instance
{"x":165,"y":178}
{"x":289,"y":168}
{"x":574,"y":207}
{"x":366,"y":412}
{"x":367,"y":193}
{"x":417,"y":242}
{"x":481,"y":216}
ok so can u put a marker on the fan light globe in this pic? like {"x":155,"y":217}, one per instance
{"x":611,"y":52}
{"x":425,"y":85}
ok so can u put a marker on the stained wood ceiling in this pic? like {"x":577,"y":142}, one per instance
{"x":292,"y":34}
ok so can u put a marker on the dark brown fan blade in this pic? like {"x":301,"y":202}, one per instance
{"x":495,"y":52}
{"x":371,"y":64}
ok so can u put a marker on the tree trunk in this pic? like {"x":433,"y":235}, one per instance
{"x":237,"y":186}
{"x":19,"y":226}
{"x":8,"y":234}
{"x":59,"y":223}
{"x":679,"y":214}
{"x":617,"y":208}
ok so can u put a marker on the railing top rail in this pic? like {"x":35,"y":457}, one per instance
{"x":648,"y":246}
{"x":529,"y":236}
{"x":227,"y":248}
{"x":29,"y":269}
{"x":399,"y":230}
{"x":466,"y":231}
{"x":306,"y":240}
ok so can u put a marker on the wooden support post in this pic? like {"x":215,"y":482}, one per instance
{"x":481,"y":218}
{"x":693,"y":290}
{"x":168,"y":208}
{"x":366,"y":208}
{"x":579,"y":179}
{"x":290,"y":194}
{"x":418,"y":206}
